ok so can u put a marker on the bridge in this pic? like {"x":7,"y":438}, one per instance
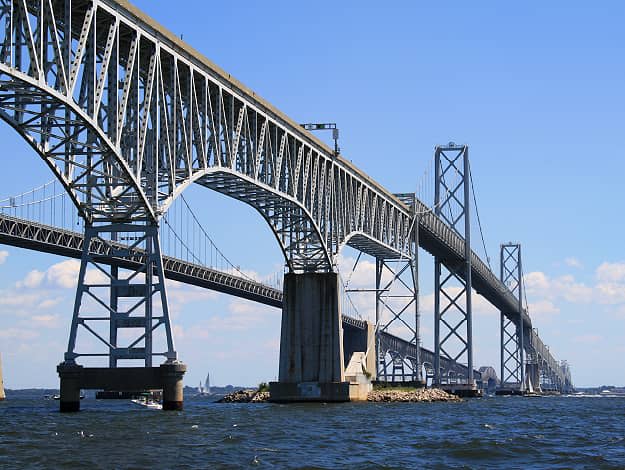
{"x":127,"y":116}
{"x":31,"y":235}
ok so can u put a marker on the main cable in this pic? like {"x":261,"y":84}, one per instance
{"x":479,"y":222}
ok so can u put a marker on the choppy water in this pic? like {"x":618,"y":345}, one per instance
{"x":503,"y":432}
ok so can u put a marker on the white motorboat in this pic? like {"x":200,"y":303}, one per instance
{"x":147,"y":402}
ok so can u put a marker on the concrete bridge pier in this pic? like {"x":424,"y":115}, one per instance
{"x":167,"y":377}
{"x":311,"y":346}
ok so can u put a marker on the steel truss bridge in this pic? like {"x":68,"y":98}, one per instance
{"x":127,"y":116}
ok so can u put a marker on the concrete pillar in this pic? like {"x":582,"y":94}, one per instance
{"x":171,"y":375}
{"x":371,"y":351}
{"x":71,"y":376}
{"x":311,"y":346}
{"x":360,"y":340}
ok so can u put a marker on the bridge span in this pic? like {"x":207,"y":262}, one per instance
{"x":127,"y":116}
{"x":22,"y":233}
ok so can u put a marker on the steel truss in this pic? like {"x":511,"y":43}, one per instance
{"x":452,"y":280}
{"x":112,"y":296}
{"x":398,"y":296}
{"x":128,"y":116}
{"x":512,"y":341}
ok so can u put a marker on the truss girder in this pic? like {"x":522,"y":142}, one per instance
{"x":128,"y":116}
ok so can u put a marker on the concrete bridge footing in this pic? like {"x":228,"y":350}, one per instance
{"x":167,"y":377}
{"x":311,"y":343}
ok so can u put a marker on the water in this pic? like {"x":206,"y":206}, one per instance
{"x":502,"y":432}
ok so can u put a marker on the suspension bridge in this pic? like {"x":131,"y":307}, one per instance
{"x":127,"y":116}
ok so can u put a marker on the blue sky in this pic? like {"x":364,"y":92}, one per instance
{"x":536,"y":91}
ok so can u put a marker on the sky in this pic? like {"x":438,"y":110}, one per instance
{"x":534,"y":88}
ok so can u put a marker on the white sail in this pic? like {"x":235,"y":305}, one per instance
{"x":530,"y":389}
{"x":207,"y":384}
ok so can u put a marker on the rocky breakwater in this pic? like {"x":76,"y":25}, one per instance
{"x":245,"y":396}
{"x":400,"y":395}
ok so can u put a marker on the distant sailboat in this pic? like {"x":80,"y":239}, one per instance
{"x":206,"y":388}
{"x":2,"y":395}
{"x":529,"y":391}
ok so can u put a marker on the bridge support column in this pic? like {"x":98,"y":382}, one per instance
{"x":109,"y":302}
{"x":397,"y":305}
{"x":311,"y":346}
{"x":70,"y":375}
{"x":356,"y":339}
{"x":167,"y":377}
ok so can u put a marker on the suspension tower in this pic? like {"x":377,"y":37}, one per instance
{"x":512,"y":334}
{"x":452,"y":277}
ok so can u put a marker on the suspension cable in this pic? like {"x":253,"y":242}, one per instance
{"x":479,"y":222}
{"x":207,"y":236}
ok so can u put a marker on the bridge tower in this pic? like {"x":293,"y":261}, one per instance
{"x":452,"y":276}
{"x":512,"y":334}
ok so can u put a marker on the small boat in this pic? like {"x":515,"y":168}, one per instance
{"x":147,"y":402}
{"x":529,"y":391}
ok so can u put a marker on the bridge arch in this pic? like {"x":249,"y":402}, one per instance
{"x":156,"y":116}
{"x":84,"y":160}
{"x":280,"y":211}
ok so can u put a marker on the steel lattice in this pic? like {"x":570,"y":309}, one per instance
{"x":512,"y":344}
{"x":452,"y":278}
{"x":127,"y":116}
